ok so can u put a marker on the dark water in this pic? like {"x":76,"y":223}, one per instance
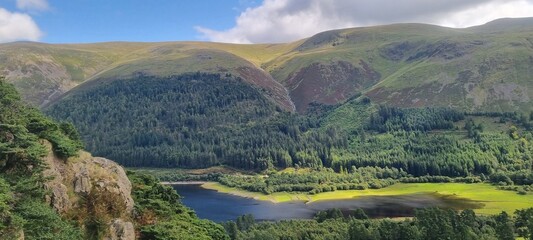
{"x":219,"y":207}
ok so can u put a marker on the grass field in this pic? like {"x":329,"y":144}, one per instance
{"x":495,"y":200}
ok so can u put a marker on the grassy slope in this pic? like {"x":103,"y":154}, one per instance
{"x":479,"y":68}
{"x":177,"y":57}
{"x":426,"y":70}
{"x":495,"y":200}
{"x":42,"y":72}
{"x":351,"y":45}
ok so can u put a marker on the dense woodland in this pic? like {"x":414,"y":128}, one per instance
{"x":193,"y":121}
{"x":461,"y":152}
{"x":199,"y":120}
{"x":388,"y":119}
{"x":443,"y":142}
{"x":431,"y":223}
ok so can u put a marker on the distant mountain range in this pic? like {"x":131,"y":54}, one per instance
{"x":483,"y":68}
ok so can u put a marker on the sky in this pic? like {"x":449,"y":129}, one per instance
{"x":235,"y":21}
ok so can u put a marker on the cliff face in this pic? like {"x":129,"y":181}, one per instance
{"x":91,"y":190}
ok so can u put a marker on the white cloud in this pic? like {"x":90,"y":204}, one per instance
{"x":288,"y":20}
{"x":488,"y":12}
{"x":17,"y":26}
{"x":33,"y":5}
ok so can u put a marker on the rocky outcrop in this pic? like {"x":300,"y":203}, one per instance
{"x":82,"y":182}
{"x":119,"y":184}
{"x":58,"y":197}
{"x":120,"y":230}
{"x":93,"y":179}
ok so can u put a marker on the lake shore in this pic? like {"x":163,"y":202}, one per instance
{"x":184,"y":183}
{"x":495,"y":200}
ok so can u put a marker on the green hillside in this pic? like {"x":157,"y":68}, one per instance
{"x":414,"y":65}
{"x":141,"y":112}
{"x":480,"y":68}
{"x":202,"y":120}
{"x":43,"y":72}
{"x":191,"y":120}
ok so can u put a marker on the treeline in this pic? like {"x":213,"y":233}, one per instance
{"x":406,"y":139}
{"x":469,"y":152}
{"x":519,"y":118}
{"x":419,"y":154}
{"x":315,"y":181}
{"x":199,"y":120}
{"x":389,"y":119}
{"x":193,"y":121}
{"x":325,"y":180}
{"x":430,"y":223}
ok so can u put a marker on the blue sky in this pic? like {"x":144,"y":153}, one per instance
{"x":73,"y":21}
{"x":238,"y":21}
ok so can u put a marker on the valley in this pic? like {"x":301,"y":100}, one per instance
{"x":371,"y":130}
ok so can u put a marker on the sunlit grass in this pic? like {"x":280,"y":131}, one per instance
{"x":495,"y":200}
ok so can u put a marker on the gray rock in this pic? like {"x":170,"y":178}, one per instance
{"x":58,"y":197}
{"x":82,"y":181}
{"x":121,"y":230}
{"x":71,"y":179}
{"x":121,"y":185}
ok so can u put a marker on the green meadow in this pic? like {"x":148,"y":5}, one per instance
{"x":494,"y":199}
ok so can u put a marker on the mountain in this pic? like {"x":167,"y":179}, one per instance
{"x":483,"y":68}
{"x":190,"y":104}
{"x":415,"y":65}
{"x":43,"y":72}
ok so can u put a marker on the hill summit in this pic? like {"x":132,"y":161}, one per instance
{"x":481,"y":68}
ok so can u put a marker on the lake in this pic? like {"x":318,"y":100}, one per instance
{"x":218,"y":207}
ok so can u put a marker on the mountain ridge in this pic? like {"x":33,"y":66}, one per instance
{"x":478,"y":67}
